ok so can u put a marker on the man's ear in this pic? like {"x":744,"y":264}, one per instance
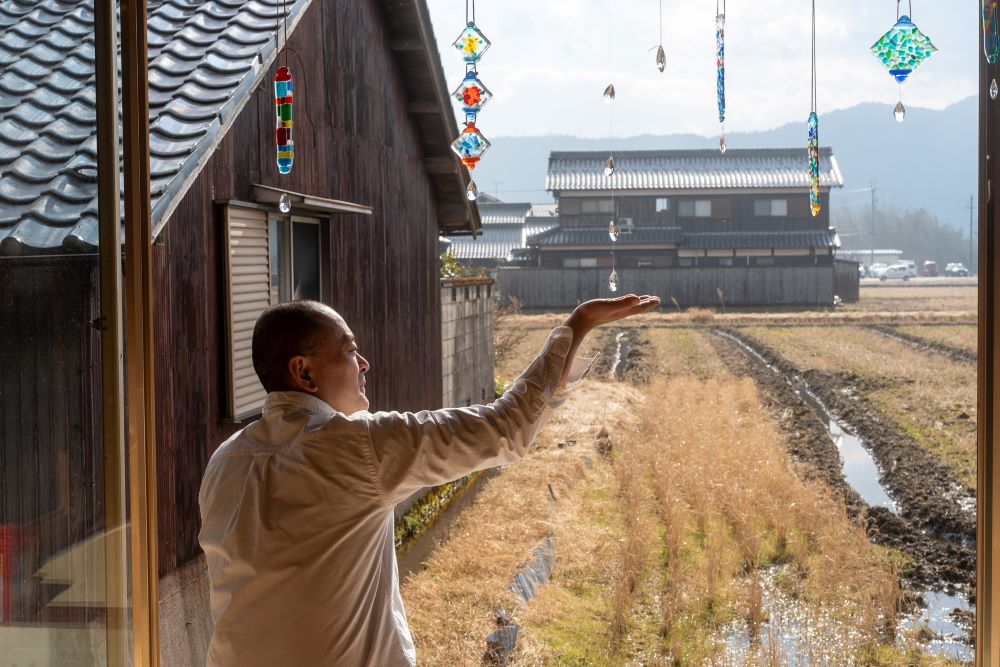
{"x":300,"y":375}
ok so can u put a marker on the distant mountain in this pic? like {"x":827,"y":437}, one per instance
{"x":928,"y":161}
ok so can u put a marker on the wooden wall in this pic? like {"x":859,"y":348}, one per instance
{"x":354,"y":141}
{"x":741,"y":286}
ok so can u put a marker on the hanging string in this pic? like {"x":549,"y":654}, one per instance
{"x":284,"y":10}
{"x":611,"y":131}
{"x":467,"y":11}
{"x":813,"y":103}
{"x":898,"y":2}
{"x":661,"y":22}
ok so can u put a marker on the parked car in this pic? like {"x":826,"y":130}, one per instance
{"x":911,"y":267}
{"x":896,"y":272}
{"x":861,"y":271}
{"x":955,"y":269}
{"x":929,"y":269}
{"x":877,"y":269}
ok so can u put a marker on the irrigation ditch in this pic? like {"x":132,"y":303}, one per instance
{"x":908,"y":499}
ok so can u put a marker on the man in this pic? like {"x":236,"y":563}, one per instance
{"x":297,"y":508}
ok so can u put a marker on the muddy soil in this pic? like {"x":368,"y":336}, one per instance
{"x":956,"y":353}
{"x":623,"y":350}
{"x":931,"y":527}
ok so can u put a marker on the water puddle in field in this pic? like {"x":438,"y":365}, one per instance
{"x":947,"y":634}
{"x":621,"y":353}
{"x":858,"y":464}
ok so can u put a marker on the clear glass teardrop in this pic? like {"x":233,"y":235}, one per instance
{"x":613,"y":230}
{"x":722,"y":142}
{"x":899,"y":113}
{"x":284,"y":203}
{"x":613,"y":281}
{"x":609,"y":94}
{"x":609,"y":166}
{"x":994,"y":89}
{"x":471,"y":190}
{"x":661,"y":58}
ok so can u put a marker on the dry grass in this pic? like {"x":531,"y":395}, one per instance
{"x":961,"y":337}
{"x":930,"y":396}
{"x":914,"y":298}
{"x":450,"y":603}
{"x":677,"y":352}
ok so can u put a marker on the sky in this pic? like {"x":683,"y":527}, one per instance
{"x":550,"y":61}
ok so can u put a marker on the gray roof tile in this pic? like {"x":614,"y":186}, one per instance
{"x":746,"y":240}
{"x":599,"y":236}
{"x":496,"y":242}
{"x":687,"y":170}
{"x":205,"y":59}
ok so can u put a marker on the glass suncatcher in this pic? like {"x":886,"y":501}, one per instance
{"x":902,"y":50}
{"x":472,"y":95}
{"x":814,"y":197}
{"x":720,"y":68}
{"x":991,"y":39}
{"x":283,"y":113}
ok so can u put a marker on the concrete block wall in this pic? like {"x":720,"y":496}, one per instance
{"x":467,"y":315}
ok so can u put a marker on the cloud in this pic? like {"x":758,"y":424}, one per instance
{"x":549,"y":62}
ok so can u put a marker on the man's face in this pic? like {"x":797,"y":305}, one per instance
{"x":335,"y":370}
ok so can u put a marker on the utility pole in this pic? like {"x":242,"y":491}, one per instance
{"x":972,"y":208}
{"x":871,"y":261}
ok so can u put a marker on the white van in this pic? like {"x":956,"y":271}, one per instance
{"x":911,"y":267}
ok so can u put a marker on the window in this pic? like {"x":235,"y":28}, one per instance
{"x":590,"y":206}
{"x":294,"y":253}
{"x":662,"y":204}
{"x":269,"y":259}
{"x":695,"y":208}
{"x":588,"y":263}
{"x":770,"y":208}
{"x":571,"y":264}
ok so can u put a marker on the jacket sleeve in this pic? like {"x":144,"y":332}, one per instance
{"x":410,"y":451}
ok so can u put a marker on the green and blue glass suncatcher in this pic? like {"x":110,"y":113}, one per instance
{"x":814,"y":199}
{"x":901,"y":51}
{"x":472,"y":95}
{"x":991,"y":39}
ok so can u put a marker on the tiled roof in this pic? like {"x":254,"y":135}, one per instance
{"x":687,"y":170}
{"x":533,"y":226}
{"x":495,"y":242}
{"x":599,"y":236}
{"x":501,"y":213}
{"x":204,"y":61}
{"x":747,"y":240}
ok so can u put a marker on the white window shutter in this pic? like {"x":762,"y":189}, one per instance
{"x":248,"y":289}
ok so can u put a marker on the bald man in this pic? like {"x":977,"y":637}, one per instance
{"x":297,"y":508}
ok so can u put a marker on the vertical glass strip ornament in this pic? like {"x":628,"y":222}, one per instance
{"x":720,"y":70}
{"x":991,"y":37}
{"x":283,"y":112}
{"x":814,"y":196}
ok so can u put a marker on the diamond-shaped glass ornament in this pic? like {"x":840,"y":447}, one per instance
{"x":472,"y":43}
{"x":903,"y":49}
{"x":470,"y":145}
{"x":472,"y":94}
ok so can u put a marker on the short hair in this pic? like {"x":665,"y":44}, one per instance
{"x":285,"y":331}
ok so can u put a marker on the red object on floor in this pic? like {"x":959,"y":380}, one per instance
{"x":10,"y":540}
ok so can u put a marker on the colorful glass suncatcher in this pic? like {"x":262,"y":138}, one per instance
{"x":283,"y":112}
{"x":720,"y":72}
{"x":991,"y":35}
{"x":472,"y":95}
{"x":901,"y":51}
{"x":814,"y":197}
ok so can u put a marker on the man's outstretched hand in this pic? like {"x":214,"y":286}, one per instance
{"x":592,"y":314}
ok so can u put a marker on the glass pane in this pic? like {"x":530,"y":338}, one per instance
{"x":779,"y":208}
{"x":762,"y":207}
{"x":703,"y":208}
{"x":275,"y":255}
{"x":305,"y":260}
{"x":686,"y":208}
{"x":63,"y":548}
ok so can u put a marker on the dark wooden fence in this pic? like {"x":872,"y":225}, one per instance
{"x":846,"y":280}
{"x":731,"y":286}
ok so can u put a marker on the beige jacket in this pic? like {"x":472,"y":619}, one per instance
{"x":297,"y":516}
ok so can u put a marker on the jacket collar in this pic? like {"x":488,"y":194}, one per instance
{"x":280,"y":401}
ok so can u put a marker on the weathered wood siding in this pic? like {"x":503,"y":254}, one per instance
{"x":846,"y":280}
{"x":354,"y":141}
{"x":740,"y":286}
